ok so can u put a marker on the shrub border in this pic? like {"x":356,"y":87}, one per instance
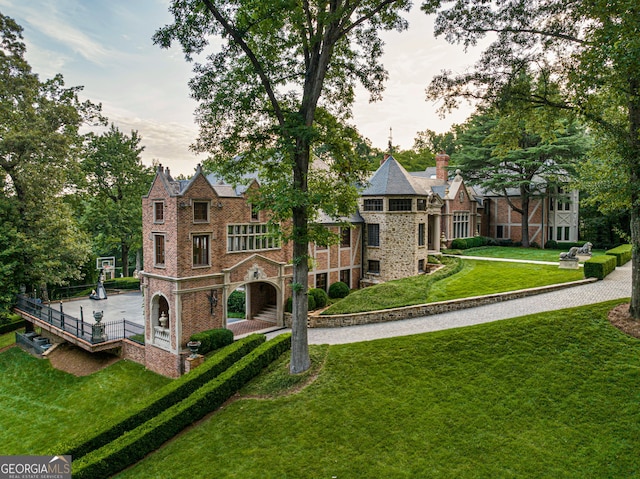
{"x":12,"y":326}
{"x":162,"y":399}
{"x":136,"y":444}
{"x":622,"y":253}
{"x":600,"y":266}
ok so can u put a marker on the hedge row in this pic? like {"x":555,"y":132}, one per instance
{"x":622,"y":253}
{"x":163,"y":398}
{"x":599,"y":266}
{"x":473,"y":242}
{"x":213,"y":339}
{"x":135,"y":445}
{"x":11,"y":326}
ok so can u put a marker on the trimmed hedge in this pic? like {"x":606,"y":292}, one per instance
{"x":162,"y":399}
{"x":622,"y":253}
{"x":213,"y":339}
{"x":11,"y":326}
{"x":311,"y":303}
{"x":473,"y":242}
{"x":338,"y":290}
{"x":136,"y":444}
{"x":599,"y":266}
{"x":319,"y":296}
{"x":564,"y":245}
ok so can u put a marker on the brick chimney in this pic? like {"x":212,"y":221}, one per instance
{"x":442,"y":163}
{"x":384,"y":158}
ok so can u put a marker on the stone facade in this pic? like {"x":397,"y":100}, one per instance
{"x":202,"y":240}
{"x":402,"y":224}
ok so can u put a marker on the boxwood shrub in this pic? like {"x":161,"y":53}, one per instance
{"x":320,"y":297}
{"x":163,"y":398}
{"x":473,"y":242}
{"x":338,"y":290}
{"x":599,"y":266}
{"x":213,"y":339}
{"x":134,"y":445}
{"x":622,"y":253}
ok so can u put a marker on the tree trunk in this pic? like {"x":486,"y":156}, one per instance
{"x":634,"y":306}
{"x":525,"y":219}
{"x":300,"y":360}
{"x":634,"y":178}
{"x":138,"y":261}
{"x":125,"y":259}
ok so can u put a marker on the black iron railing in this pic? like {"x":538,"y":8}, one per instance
{"x":90,"y":332}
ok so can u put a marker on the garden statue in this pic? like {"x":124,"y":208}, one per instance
{"x":570,"y":255}
{"x":569,"y":260}
{"x":585,"y":249}
{"x":99,"y":292}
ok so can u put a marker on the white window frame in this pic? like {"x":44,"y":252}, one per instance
{"x":461,"y":224}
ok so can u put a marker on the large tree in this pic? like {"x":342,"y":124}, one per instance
{"x":39,"y":150}
{"x":502,"y":155}
{"x":587,"y":51}
{"x":280,"y":78}
{"x":116,"y":179}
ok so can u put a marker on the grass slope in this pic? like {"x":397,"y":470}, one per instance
{"x":551,"y":395}
{"x":512,"y":252}
{"x":476,"y":278}
{"x":42,"y":405}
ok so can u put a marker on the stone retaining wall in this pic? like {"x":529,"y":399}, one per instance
{"x":407,"y":312}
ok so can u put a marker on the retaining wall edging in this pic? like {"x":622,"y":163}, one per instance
{"x":415,"y":311}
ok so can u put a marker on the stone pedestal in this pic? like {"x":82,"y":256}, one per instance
{"x":192,"y":363}
{"x":583,"y":257}
{"x":569,"y":263}
{"x":97,"y":333}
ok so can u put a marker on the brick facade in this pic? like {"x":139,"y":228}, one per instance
{"x":202,"y":240}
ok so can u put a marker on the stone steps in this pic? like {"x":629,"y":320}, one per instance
{"x":269,"y":314}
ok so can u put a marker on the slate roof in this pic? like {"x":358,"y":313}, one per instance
{"x":392,"y":179}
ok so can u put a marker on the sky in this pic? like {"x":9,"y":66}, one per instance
{"x":106,"y":47}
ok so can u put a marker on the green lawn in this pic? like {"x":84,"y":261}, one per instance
{"x":9,"y":338}
{"x":475,"y":279}
{"x":42,"y":406}
{"x":512,"y":252}
{"x":555,"y":395}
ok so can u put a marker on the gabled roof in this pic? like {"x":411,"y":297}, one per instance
{"x":392,"y":179}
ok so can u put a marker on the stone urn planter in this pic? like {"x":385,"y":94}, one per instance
{"x":193,"y":347}
{"x":163,"y":320}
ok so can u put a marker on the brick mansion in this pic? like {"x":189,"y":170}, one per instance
{"x":202,"y":240}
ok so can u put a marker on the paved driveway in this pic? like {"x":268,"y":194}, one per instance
{"x":615,"y":286}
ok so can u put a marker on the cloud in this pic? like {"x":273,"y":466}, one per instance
{"x":165,"y":142}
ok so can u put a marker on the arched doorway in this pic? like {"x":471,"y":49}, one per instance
{"x":261,"y":305}
{"x":261,"y":302}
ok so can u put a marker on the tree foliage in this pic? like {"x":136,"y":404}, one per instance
{"x":115,"y":180}
{"x":278,"y":80}
{"x":585,"y":55}
{"x":39,"y":149}
{"x":488,"y":157}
